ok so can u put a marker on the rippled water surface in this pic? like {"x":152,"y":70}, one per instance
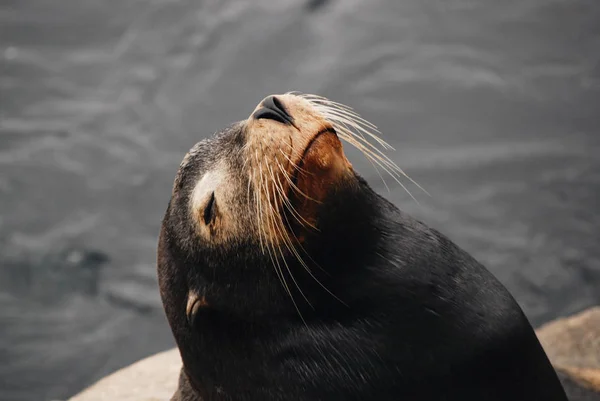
{"x":492,"y":106}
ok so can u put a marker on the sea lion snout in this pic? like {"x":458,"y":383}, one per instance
{"x":298,"y":147}
{"x":288,"y":125}
{"x":273,"y":109}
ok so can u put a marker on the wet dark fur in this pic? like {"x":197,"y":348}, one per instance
{"x":420,"y":318}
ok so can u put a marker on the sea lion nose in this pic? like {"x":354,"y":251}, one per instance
{"x":273,"y":109}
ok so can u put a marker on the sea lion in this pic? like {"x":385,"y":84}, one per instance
{"x":284,"y":276}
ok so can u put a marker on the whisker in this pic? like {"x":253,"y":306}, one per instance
{"x":378,"y":173}
{"x":331,"y":115}
{"x":341,"y":111}
{"x":381,"y":157}
{"x":352,"y":117}
{"x":279,"y":271}
{"x":272,"y":224}
{"x":294,"y":186}
{"x":271,"y":247}
{"x":301,"y":220}
{"x":281,"y":231}
{"x":260,"y":206}
{"x":284,"y":233}
{"x":290,"y":246}
{"x":294,"y":165}
{"x":354,"y":129}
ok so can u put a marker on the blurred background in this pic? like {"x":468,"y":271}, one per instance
{"x":492,"y":106}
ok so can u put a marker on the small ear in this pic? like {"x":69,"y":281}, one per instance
{"x":194,"y":303}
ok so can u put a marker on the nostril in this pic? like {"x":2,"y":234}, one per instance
{"x":278,"y":104}
{"x":269,"y":115}
{"x":273,"y":109}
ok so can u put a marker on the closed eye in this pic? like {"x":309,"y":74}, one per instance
{"x":210,"y":210}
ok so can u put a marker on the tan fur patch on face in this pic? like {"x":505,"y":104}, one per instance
{"x":322,"y":166}
{"x":274,"y":152}
{"x":224,"y":225}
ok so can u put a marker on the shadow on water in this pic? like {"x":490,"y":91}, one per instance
{"x":492,"y":107}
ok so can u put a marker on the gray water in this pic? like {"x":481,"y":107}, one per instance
{"x":492,"y":106}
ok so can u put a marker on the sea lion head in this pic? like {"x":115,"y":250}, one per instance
{"x":266,"y":214}
{"x":259,"y":178}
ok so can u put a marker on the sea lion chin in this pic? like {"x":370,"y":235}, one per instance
{"x":322,"y":167}
{"x":323,"y":163}
{"x":284,"y":276}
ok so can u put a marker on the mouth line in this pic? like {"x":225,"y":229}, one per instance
{"x":271,"y":114}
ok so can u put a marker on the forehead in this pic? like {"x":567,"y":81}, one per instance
{"x":223,"y":145}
